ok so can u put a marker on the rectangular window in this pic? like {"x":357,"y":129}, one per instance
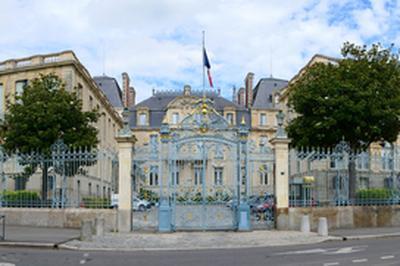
{"x":90,"y":103}
{"x":198,"y":171}
{"x":263,"y":119}
{"x":175,"y":178}
{"x":153,"y":176}
{"x":388,"y":182}
{"x":20,"y":183}
{"x":20,"y":86}
{"x":90,"y":189}
{"x":229,"y":117}
{"x":1,"y":101}
{"x":364,"y":182}
{"x":142,"y":119}
{"x":175,"y":118}
{"x":104,"y":192}
{"x":264,"y":175}
{"x":97,"y":190}
{"x":218,"y":175}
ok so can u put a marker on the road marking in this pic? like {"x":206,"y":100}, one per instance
{"x":360,"y":260}
{"x":86,"y":254}
{"x":82,"y":262}
{"x":331,"y":263}
{"x":6,"y":264}
{"x":387,"y":257}
{"x":309,"y":251}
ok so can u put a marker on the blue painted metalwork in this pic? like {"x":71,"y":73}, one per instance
{"x":204,"y":141}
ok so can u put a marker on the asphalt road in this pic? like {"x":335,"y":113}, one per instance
{"x":360,"y":252}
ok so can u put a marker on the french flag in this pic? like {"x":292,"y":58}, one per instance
{"x":208,"y":66}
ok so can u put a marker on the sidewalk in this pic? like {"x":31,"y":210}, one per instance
{"x":195,"y":240}
{"x":364,"y":233}
{"x":37,"y":236}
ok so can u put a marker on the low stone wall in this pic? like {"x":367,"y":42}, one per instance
{"x":62,"y":218}
{"x":347,"y":216}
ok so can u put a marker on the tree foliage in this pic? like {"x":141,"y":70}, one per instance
{"x":45,"y":112}
{"x":356,"y":98}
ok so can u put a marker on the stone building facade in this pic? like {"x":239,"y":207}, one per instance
{"x":16,"y":73}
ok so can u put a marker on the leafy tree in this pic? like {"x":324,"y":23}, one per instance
{"x":356,"y":98}
{"x":44,"y":113}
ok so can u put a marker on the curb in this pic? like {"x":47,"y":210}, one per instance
{"x":27,"y":244}
{"x":361,"y":237}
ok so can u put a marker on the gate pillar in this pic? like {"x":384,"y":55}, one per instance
{"x":125,"y":140}
{"x":281,"y":151}
{"x":164,"y":211}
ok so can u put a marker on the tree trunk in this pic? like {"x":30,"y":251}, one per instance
{"x":44,"y":182}
{"x":352,"y":179}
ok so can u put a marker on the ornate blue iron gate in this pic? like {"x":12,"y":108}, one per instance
{"x":196,"y":176}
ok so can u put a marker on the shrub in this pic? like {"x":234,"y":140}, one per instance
{"x":96,"y":202}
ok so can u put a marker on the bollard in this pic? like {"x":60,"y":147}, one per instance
{"x":86,"y":230}
{"x":322,"y":226}
{"x":99,"y":226}
{"x":305,"y":224}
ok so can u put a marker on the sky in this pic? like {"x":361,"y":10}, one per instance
{"x":159,"y":42}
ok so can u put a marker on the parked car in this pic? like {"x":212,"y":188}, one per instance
{"x":140,"y":204}
{"x":137,"y":204}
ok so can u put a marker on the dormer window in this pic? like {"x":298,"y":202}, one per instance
{"x":263,"y":119}
{"x":175,"y":118}
{"x":229,"y":117}
{"x":142,"y":119}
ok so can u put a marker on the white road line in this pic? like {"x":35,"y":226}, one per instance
{"x":331,"y":263}
{"x":6,"y":264}
{"x":387,"y":257}
{"x":82,"y":262}
{"x":86,"y":254}
{"x":359,"y":260}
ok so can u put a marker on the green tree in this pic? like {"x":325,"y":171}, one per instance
{"x":44,"y":113}
{"x":356,"y":98}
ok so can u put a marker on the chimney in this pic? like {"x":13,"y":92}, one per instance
{"x":125,"y":89}
{"x":248,"y":82}
{"x":234,"y":96}
{"x":132,"y":96}
{"x":242,"y":97}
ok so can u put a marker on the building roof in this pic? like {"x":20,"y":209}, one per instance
{"x":263,"y":95}
{"x":157,"y":105}
{"x":111,"y":89}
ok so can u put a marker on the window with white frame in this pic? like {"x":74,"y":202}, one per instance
{"x":263,"y":119}
{"x":20,"y":86}
{"x":153,"y":176}
{"x":264,"y":175}
{"x":1,"y":101}
{"x":229,"y":117}
{"x":198,"y":171}
{"x":175,"y":118}
{"x":387,"y":160}
{"x":218,"y":175}
{"x":142,"y":119}
{"x":364,"y":182}
{"x":363,"y":161}
{"x":263,"y":144}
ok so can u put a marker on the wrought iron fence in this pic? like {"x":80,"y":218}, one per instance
{"x":319,"y":177}
{"x":59,"y":178}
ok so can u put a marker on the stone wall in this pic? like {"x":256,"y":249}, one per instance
{"x":63,"y":218}
{"x":347,"y":216}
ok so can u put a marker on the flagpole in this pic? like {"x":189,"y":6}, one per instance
{"x":204,"y":75}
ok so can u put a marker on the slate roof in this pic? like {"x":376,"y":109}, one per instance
{"x":158,"y":103}
{"x":264,"y":90}
{"x":111,"y":89}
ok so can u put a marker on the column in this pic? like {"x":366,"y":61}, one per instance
{"x":281,"y":183}
{"x":125,"y":141}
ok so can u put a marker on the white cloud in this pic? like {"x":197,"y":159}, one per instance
{"x":159,"y":42}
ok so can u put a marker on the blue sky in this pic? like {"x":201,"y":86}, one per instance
{"x":158,"y":42}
